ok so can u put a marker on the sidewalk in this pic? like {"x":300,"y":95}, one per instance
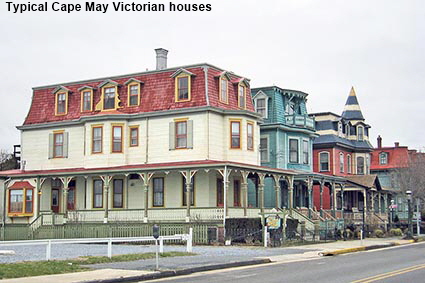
{"x":208,"y":258}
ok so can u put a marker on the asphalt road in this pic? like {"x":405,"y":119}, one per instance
{"x":398,"y":264}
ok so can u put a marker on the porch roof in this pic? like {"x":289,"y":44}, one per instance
{"x":365,"y":181}
{"x":128,"y":169}
{"x":318,"y":176}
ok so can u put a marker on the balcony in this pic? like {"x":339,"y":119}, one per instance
{"x":302,"y":121}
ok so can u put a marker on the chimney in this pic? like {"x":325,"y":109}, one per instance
{"x":379,"y":141}
{"x":396,"y":144}
{"x":161,"y":58}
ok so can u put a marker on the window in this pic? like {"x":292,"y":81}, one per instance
{"x":341,"y":162}
{"x":181,"y":134}
{"x":118,"y":192}
{"x":236,"y":193}
{"x":250,"y":136}
{"x":97,"y":193}
{"x":261,"y":107}
{"x":97,"y":133}
{"x":21,"y":201}
{"x":360,"y":165}
{"x":158,"y":191}
{"x":133,"y":94}
{"x":87,"y":98}
{"x":360,"y":133}
{"x":61,"y":103}
{"x":264,"y":149}
{"x":383,"y":158}
{"x":305,"y":152}
{"x":241,"y":96}
{"x":347,"y":130}
{"x":192,"y":191}
{"x":109,"y":98}
{"x":340,"y":129}
{"x":134,"y":136}
{"x":290,"y":108}
{"x":117,"y":139}
{"x":235,"y":128}
{"x":58,"y":145}
{"x":349,"y":164}
{"x":324,"y":161}
{"x":220,"y":193}
{"x":293,"y":150}
{"x":223,"y":90}
{"x":183,"y":88}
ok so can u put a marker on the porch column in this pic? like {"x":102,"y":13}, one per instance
{"x":188,"y":178}
{"x":322,"y":182}
{"x":261,"y":191}
{"x":364,"y":201}
{"x":342,"y":200}
{"x":276,"y":179}
{"x":310,"y":195}
{"x":64,"y":201}
{"x":333,"y":200}
{"x":386,"y":203}
{"x":372,"y":198}
{"x":38,"y":195}
{"x":379,"y":203}
{"x":244,"y":188}
{"x":225,"y":173}
{"x":146,"y":178}
{"x":290,"y":180}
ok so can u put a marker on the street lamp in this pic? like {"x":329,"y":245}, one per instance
{"x":409,"y":215}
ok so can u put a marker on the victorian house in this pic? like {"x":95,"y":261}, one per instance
{"x":286,"y":142}
{"x":170,"y":145}
{"x":343,"y":149}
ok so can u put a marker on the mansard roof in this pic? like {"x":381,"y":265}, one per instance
{"x":297,"y":93}
{"x":352,"y":109}
{"x":323,"y":140}
{"x":157,"y":93}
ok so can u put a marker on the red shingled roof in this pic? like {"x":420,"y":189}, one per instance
{"x":397,"y":158}
{"x":21,"y":185}
{"x":157,"y":93}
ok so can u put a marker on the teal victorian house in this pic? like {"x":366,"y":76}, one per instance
{"x":286,"y":140}
{"x":287,"y":133}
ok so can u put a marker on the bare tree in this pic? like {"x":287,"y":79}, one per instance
{"x":412,"y":176}
{"x":7,"y":160}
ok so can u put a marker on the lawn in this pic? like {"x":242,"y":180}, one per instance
{"x":36,"y":268}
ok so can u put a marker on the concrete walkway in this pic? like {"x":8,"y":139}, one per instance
{"x":142,"y":269}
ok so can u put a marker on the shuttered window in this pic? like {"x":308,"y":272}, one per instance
{"x":181,"y":134}
{"x":58,"y":145}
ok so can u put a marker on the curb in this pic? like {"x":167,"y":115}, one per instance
{"x":170,"y":273}
{"x":363,"y":248}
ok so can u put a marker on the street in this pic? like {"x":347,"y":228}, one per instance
{"x":398,"y":264}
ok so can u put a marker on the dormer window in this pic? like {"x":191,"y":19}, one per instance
{"x":133,"y":92}
{"x":241,"y":96}
{"x":224,"y":89}
{"x":260,"y":103}
{"x":340,"y":129}
{"x":182,"y":84}
{"x":347,"y":130}
{"x":360,"y":133}
{"x":109,"y":99}
{"x":383,"y":158}
{"x":86,"y":93}
{"x":61,"y":100}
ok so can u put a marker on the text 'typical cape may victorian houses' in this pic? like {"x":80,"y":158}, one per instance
{"x":343,"y":149}
{"x":172,"y":145}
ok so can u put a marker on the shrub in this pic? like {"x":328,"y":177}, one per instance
{"x":349,"y":234}
{"x":396,"y":232}
{"x":378,"y":233}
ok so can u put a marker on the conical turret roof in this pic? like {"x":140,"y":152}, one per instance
{"x":352,"y":109}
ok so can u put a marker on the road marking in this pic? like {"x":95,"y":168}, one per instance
{"x":390,"y":274}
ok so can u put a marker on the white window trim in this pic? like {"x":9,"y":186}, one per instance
{"x":320,"y":163}
{"x":262,"y":95}
{"x":308,"y":151}
{"x":349,"y":164}
{"x":268,"y":148}
{"x":386,"y":158}
{"x":358,"y":136}
{"x":289,"y":150}
{"x":341,"y":170}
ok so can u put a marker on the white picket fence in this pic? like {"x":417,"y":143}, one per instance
{"x":49,"y":242}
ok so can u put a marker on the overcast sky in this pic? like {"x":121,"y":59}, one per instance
{"x":319,"y":47}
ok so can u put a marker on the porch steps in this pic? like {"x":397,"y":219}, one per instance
{"x":309,"y":224}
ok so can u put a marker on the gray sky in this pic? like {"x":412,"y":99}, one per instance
{"x":319,"y":47}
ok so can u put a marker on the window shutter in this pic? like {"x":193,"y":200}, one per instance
{"x":65,"y":144}
{"x":190,"y":134}
{"x":172,"y":136}
{"x":50,"y":146}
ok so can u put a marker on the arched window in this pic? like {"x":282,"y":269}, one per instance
{"x":324,"y":161}
{"x":383,"y":158}
{"x":341,"y":162}
{"x":360,"y":165}
{"x":349,"y":164}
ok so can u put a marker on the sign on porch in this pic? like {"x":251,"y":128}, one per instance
{"x":273,"y":221}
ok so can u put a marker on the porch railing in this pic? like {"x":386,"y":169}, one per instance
{"x":300,"y":120}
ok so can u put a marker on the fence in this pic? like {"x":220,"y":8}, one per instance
{"x":181,"y":237}
{"x":100,"y":230}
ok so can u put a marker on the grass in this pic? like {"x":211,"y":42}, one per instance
{"x":36,"y":268}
